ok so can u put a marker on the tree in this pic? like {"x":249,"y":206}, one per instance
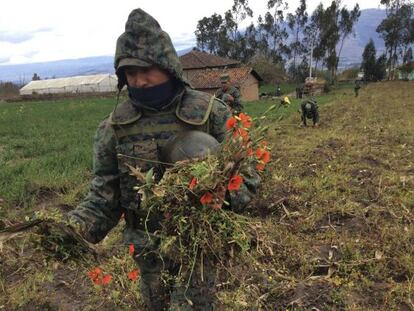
{"x":396,"y":30}
{"x":408,"y":56}
{"x":221,"y":36}
{"x":297,"y":24}
{"x":207,"y":33}
{"x":273,"y":31}
{"x":35,"y":77}
{"x":369,"y":61}
{"x":346,"y":25}
{"x":380,"y":68}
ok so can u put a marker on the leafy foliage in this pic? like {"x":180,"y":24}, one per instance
{"x":196,"y":221}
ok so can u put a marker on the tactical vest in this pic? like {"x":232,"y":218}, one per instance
{"x":141,"y":136}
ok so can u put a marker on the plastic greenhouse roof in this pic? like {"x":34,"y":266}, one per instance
{"x":68,"y":81}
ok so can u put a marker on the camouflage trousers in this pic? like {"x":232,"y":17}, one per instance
{"x":157,"y":294}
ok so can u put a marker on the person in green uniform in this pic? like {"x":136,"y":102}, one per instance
{"x":229,"y":94}
{"x":357,"y":87}
{"x":310,"y":110}
{"x":160,"y":106}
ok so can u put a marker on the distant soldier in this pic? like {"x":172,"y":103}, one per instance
{"x":357,"y":87}
{"x":310,"y":111}
{"x":229,"y":94}
{"x":299,"y":91}
{"x":278,"y":90}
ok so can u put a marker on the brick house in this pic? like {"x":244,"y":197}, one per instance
{"x":203,"y":71}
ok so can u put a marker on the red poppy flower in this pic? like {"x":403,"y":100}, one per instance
{"x":260,"y":167}
{"x":131,"y":249}
{"x":243,"y":133}
{"x":193,"y":183}
{"x":206,"y":198}
{"x":106,"y":279}
{"x":95,"y":273}
{"x":235,"y":182}
{"x":231,"y":123}
{"x":133,"y":275}
{"x":259,"y":153}
{"x":249,"y":152}
{"x":246,"y":121}
{"x":266,"y":156}
{"x":97,"y":281}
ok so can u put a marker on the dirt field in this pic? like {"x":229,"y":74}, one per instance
{"x":336,"y":213}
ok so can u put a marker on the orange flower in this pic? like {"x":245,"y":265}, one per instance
{"x":95,"y":273}
{"x":133,"y":275}
{"x":263,"y":155}
{"x":249,"y":152}
{"x":266,"y":156}
{"x":193,"y":183}
{"x":106,"y":279}
{"x":131,"y":249}
{"x":231,"y":123}
{"x":245,"y":120}
{"x":235,"y":182}
{"x":206,"y":198}
{"x":241,"y":132}
{"x":97,"y":278}
{"x":260,"y":167}
{"x":244,"y":134}
{"x":259,"y":153}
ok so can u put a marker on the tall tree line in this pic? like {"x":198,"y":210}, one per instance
{"x":397,"y":30}
{"x":278,"y":37}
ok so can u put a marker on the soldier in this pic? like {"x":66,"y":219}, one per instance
{"x":278,"y":90}
{"x":160,"y":106}
{"x":229,"y":94}
{"x":310,"y":111}
{"x":357,"y":87}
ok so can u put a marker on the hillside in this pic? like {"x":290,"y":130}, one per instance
{"x":335,"y":210}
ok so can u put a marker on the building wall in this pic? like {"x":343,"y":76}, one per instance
{"x":189,"y":73}
{"x":250,"y":89}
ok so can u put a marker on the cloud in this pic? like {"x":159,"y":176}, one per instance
{"x":184,"y":41}
{"x":19,"y":37}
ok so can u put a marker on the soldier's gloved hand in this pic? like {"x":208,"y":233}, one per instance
{"x":62,"y":240}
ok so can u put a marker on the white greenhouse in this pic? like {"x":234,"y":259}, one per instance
{"x":72,"y":85}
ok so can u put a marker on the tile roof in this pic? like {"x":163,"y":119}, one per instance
{"x":210,"y":79}
{"x":198,"y":60}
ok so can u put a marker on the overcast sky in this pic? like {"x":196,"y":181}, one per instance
{"x":46,"y":30}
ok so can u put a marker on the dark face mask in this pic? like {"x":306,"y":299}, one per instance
{"x":155,"y":97}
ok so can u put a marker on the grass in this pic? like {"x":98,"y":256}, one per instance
{"x":285,"y":87}
{"x":336,"y":207}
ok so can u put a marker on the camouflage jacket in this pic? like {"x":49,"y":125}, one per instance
{"x":312,"y":113}
{"x":235,"y":93}
{"x":134,"y":137}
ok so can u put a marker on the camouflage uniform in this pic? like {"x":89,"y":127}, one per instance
{"x":133,"y":135}
{"x":235,"y":105}
{"x":310,"y":111}
{"x":357,"y":87}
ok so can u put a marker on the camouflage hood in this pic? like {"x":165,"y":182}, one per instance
{"x":144,"y":43}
